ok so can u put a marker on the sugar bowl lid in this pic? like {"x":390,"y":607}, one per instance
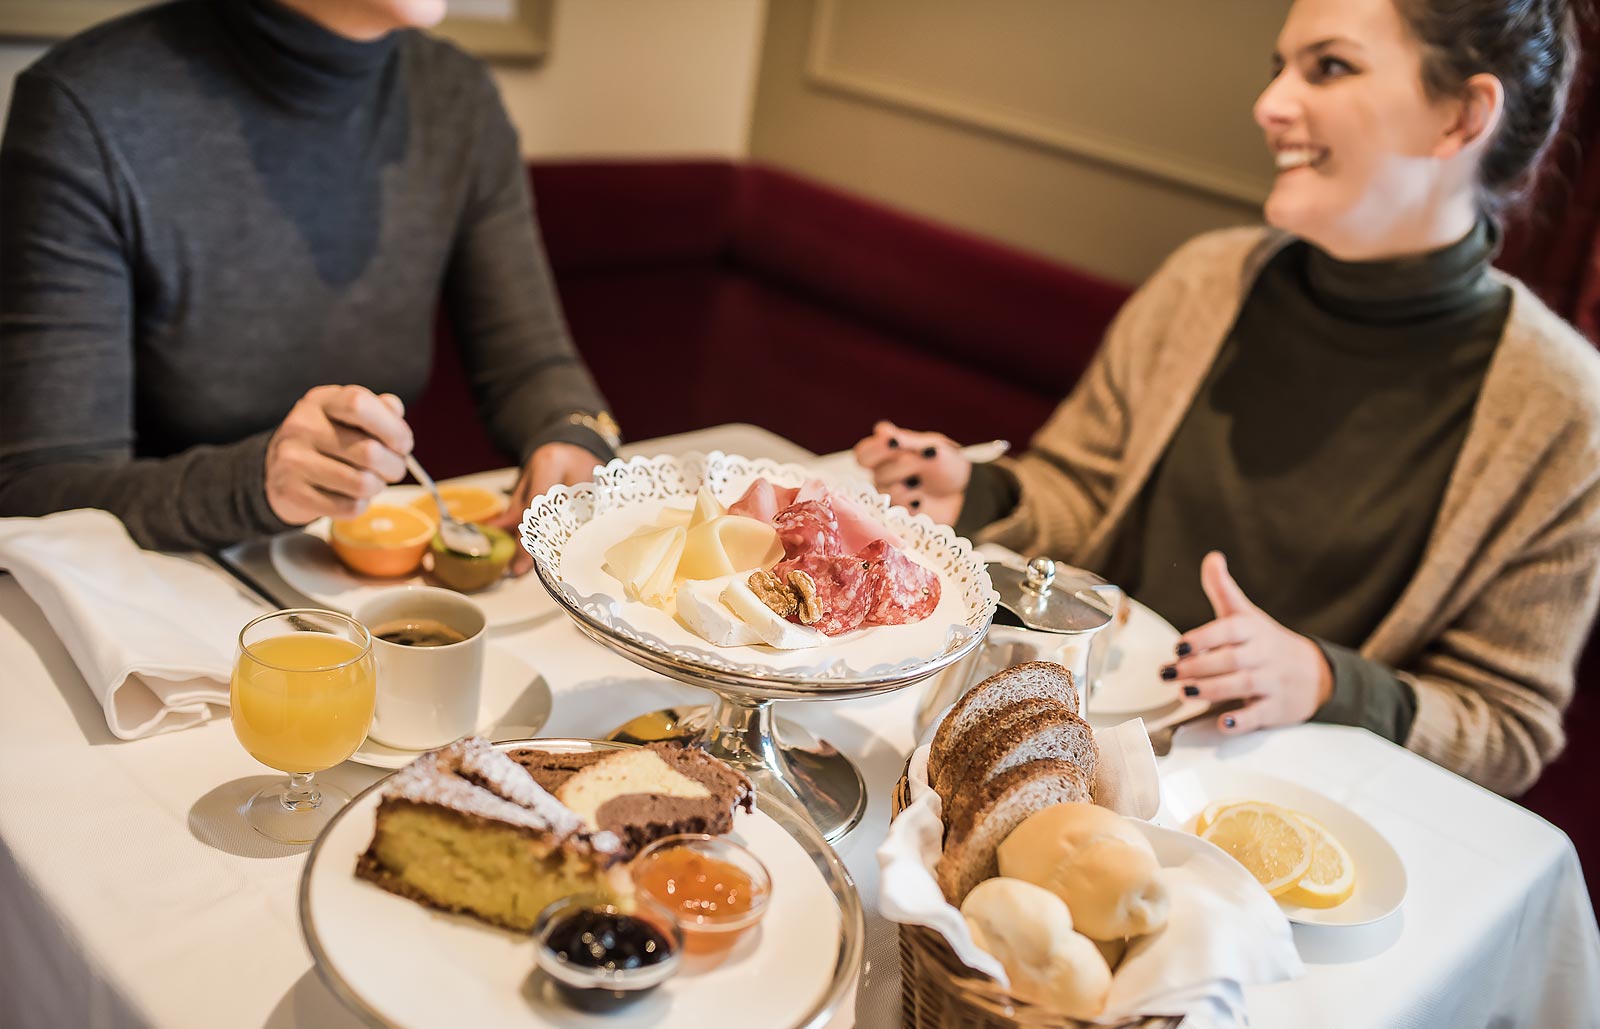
{"x":1054,"y":598}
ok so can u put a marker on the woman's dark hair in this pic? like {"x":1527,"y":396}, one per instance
{"x":1531,"y":46}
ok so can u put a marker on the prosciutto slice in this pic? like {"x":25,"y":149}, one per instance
{"x":762,"y":501}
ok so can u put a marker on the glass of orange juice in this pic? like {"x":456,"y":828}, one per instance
{"x":303,"y":688}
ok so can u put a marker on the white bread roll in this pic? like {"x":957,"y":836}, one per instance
{"x":1093,"y":859}
{"x":1029,"y":931}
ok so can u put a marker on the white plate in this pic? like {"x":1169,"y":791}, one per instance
{"x":1131,"y":679}
{"x":569,"y":529}
{"x":306,"y":562}
{"x":515,"y":704}
{"x":1380,"y":874}
{"x":404,"y":964}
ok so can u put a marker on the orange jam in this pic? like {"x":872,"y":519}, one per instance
{"x":710,"y":897}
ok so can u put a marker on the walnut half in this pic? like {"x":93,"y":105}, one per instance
{"x":805,"y":591}
{"x":772,"y":592}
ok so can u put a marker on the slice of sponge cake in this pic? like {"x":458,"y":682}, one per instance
{"x":466,"y":829}
{"x":642,"y":794}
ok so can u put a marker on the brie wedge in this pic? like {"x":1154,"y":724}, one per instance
{"x":774,"y":631}
{"x":701,"y":609}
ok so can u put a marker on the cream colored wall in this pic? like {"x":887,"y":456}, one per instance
{"x":1098,"y":133}
{"x":623,"y":78}
{"x":641,"y":77}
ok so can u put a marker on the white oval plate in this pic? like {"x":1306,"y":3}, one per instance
{"x":1380,"y":874}
{"x":408,"y":965}
{"x":307,"y":563}
{"x":515,"y":704}
{"x":1131,"y":680}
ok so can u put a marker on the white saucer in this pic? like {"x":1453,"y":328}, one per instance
{"x":1380,"y":874}
{"x":1131,"y":681}
{"x":514,"y":706}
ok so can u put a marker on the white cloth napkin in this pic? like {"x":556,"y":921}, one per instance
{"x":153,"y":634}
{"x":1223,"y":931}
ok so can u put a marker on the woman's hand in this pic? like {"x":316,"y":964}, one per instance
{"x":337,"y":448}
{"x":921,"y":471}
{"x":1245,"y":655}
{"x":552,"y":464}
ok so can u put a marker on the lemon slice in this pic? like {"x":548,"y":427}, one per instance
{"x":1274,"y":845}
{"x":1331,"y":879}
{"x":1209,"y":815}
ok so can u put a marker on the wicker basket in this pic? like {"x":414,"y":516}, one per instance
{"x":938,"y":991}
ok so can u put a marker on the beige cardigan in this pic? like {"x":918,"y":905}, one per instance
{"x":1489,"y":628}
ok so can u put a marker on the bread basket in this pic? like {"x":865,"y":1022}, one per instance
{"x":938,"y":991}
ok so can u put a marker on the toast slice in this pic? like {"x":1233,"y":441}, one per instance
{"x":979,"y":820}
{"x":1027,"y":730}
{"x":1033,"y":680}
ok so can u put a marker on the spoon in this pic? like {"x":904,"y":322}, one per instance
{"x":983,"y":453}
{"x":457,"y":535}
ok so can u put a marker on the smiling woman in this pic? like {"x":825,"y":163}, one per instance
{"x":1393,"y":443}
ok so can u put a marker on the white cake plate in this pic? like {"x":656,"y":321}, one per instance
{"x":567,"y":530}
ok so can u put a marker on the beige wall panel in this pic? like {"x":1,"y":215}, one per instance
{"x":1097,"y":133}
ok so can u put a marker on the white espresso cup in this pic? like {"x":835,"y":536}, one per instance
{"x":427,"y":695}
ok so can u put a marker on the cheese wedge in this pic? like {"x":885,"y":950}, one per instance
{"x":727,"y":544}
{"x":706,"y":507}
{"x":774,"y":631}
{"x":701,"y":609}
{"x":647,"y":562}
{"x":674,"y":516}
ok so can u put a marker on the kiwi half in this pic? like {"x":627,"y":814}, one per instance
{"x":467,"y":574}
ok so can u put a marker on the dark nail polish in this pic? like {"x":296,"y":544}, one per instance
{"x":930,"y":451}
{"x":1183,"y":648}
{"x":1169,"y":672}
{"x":915,"y":504}
{"x":1191,"y":691}
{"x":894,"y":444}
{"x":913,"y":481}
{"x":1229,"y":722}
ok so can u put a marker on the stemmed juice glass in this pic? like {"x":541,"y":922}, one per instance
{"x":304,"y":682}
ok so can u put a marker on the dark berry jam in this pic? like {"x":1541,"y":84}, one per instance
{"x":605,"y":943}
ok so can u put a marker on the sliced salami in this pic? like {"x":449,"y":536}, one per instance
{"x":808,"y":528}
{"x":901,"y":590}
{"x":843,"y":592}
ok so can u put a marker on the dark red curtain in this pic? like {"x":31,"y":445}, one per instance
{"x":1553,"y":240}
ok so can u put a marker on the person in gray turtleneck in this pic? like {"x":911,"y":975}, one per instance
{"x":225,"y":226}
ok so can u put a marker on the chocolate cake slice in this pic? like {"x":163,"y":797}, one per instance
{"x":465,"y":829}
{"x":644,"y":793}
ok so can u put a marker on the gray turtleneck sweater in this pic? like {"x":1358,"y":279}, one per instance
{"x":1315,"y":454}
{"x":209,"y":207}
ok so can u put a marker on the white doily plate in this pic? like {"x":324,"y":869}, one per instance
{"x":569,"y":529}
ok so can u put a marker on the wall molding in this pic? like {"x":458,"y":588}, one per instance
{"x":1073,"y":141}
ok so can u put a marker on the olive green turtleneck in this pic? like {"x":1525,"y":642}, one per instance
{"x":1315,"y":454}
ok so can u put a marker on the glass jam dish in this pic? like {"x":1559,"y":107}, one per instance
{"x":715,"y":888}
{"x":602,"y":956}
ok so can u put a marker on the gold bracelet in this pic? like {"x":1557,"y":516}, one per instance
{"x":601,"y":424}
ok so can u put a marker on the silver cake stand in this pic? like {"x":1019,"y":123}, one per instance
{"x":740,"y":727}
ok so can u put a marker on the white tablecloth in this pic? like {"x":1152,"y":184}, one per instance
{"x":131,"y":893}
